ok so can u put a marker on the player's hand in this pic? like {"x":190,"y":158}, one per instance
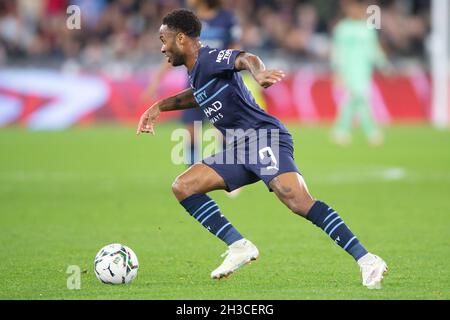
{"x":148,"y":119}
{"x":268,"y":78}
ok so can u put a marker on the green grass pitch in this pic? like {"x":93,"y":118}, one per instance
{"x":64,"y":195}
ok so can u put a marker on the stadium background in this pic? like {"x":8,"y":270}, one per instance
{"x":74,"y":177}
{"x":114,"y":53}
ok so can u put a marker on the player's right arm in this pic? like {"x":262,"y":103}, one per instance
{"x":183,"y":100}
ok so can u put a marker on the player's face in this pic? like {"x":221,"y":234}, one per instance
{"x":170,"y":46}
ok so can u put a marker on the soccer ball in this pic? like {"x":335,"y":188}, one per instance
{"x":116,"y":264}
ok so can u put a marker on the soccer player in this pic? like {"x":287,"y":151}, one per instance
{"x":217,"y":89}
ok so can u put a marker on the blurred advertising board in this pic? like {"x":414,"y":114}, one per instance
{"x":43,"y":99}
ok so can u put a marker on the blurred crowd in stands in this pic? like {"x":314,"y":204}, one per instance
{"x":35,"y":32}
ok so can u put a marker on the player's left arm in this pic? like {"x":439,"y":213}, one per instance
{"x":253,"y":64}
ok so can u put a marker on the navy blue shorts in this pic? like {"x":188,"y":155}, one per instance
{"x":239,"y":167}
{"x":188,"y":116}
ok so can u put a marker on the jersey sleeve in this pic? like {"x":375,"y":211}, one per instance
{"x":221,"y":62}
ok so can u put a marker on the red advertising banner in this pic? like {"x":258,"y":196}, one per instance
{"x":46,"y":99}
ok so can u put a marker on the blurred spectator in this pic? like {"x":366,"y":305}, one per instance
{"x":404,"y":31}
{"x":304,"y":37}
{"x":34,"y":31}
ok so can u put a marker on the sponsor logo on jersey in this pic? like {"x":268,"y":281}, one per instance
{"x":224,"y":55}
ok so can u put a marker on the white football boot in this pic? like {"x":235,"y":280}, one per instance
{"x":238,"y":254}
{"x":234,"y":194}
{"x":373,"y":270}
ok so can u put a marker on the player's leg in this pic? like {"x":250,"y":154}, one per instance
{"x":367,"y":119}
{"x":343,"y":124}
{"x":190,"y":189}
{"x":344,"y":119}
{"x":291,"y":189}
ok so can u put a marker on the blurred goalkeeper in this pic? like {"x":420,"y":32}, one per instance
{"x":355,"y":54}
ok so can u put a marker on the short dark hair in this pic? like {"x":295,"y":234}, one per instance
{"x":185,"y":21}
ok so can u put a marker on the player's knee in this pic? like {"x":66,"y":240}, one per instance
{"x":181,"y":189}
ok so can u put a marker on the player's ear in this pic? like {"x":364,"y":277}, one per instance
{"x":180,"y":37}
